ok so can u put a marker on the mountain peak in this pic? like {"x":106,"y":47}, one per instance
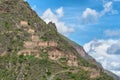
{"x":51,"y":24}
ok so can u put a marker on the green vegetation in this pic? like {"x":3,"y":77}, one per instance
{"x":64,"y":59}
{"x":44,"y":55}
{"x":12,"y":38}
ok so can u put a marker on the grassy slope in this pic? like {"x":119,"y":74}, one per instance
{"x":89,"y":58}
{"x":13,"y":67}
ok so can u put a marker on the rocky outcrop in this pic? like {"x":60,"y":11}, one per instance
{"x":112,"y":74}
{"x":52,"y":25}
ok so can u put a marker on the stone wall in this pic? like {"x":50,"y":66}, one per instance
{"x":42,"y":44}
{"x":30,"y":44}
{"x":33,"y":44}
{"x":56,"y":55}
{"x":29,"y":52}
{"x":52,"y":44}
{"x":35,"y":38}
{"x":31,"y":31}
{"x":53,"y":55}
{"x":23,"y":23}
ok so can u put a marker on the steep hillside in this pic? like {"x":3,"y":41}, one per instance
{"x":88,"y":58}
{"x":30,"y":49}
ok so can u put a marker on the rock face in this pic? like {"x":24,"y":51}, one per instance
{"x":52,"y":25}
{"x":30,"y":49}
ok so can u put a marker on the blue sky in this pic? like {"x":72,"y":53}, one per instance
{"x":84,"y":30}
{"x":91,"y":23}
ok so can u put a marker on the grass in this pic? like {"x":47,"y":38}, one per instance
{"x":14,"y":67}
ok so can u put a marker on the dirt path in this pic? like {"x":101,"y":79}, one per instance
{"x":53,"y":75}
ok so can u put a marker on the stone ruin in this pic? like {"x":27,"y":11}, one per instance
{"x":31,"y":48}
{"x":37,"y":44}
{"x":29,"y":52}
{"x":31,"y":31}
{"x":23,"y":23}
{"x":56,"y":55}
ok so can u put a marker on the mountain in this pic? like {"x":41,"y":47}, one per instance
{"x":30,"y":49}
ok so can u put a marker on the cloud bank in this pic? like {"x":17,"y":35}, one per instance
{"x":107,"y":52}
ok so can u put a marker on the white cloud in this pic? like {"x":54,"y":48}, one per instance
{"x":60,"y":12}
{"x":49,"y":16}
{"x":99,"y":50}
{"x":90,"y":16}
{"x":108,"y":8}
{"x":114,"y":49}
{"x":112,"y":33}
